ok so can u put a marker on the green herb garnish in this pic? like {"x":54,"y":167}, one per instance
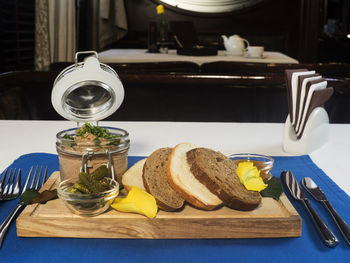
{"x":95,"y":130}
{"x":99,"y":132}
{"x":71,"y":138}
{"x":115,"y":142}
{"x":68,"y":137}
{"x":28,"y":195}
{"x":274,"y":188}
{"x":97,"y":141}
{"x":45,"y":196}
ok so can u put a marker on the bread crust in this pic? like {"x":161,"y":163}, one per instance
{"x":232,"y":200}
{"x":160,"y":203}
{"x":189,"y":198}
{"x":185,"y":194}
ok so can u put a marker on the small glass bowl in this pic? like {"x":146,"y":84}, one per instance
{"x":264,"y":163}
{"x":87,"y":204}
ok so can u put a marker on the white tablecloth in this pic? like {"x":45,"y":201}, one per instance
{"x":141,"y":56}
{"x":21,"y":137}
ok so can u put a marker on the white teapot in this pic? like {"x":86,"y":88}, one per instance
{"x":235,"y":44}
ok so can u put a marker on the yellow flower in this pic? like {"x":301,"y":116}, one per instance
{"x":255,"y":184}
{"x":249,"y":176}
{"x":245,"y":170}
{"x":160,"y":9}
{"x":137,"y":201}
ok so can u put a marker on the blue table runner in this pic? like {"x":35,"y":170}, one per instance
{"x":306,"y":248}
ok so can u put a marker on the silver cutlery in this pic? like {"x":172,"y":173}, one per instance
{"x":10,"y":190}
{"x":318,"y":195}
{"x":36,"y":183}
{"x":297,"y":192}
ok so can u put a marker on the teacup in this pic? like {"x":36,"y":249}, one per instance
{"x":255,"y":51}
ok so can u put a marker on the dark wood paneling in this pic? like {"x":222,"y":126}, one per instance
{"x":166,"y":67}
{"x":158,"y":96}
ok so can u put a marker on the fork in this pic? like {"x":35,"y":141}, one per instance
{"x":37,"y":181}
{"x":10,"y":190}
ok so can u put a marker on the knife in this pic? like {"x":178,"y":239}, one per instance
{"x":317,"y":193}
{"x":297,"y":192}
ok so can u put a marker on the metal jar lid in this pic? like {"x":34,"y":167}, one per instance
{"x":87,"y":91}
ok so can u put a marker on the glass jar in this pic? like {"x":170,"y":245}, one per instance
{"x":85,"y":156}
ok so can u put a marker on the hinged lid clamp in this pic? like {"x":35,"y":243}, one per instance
{"x":87,"y":91}
{"x":109,"y":164}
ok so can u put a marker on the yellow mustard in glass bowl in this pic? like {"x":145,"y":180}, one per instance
{"x":263,"y":163}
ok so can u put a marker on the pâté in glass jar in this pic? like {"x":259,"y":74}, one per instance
{"x":88,"y":147}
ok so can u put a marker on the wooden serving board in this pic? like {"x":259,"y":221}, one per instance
{"x":53,"y":219}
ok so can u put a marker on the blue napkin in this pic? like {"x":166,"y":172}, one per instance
{"x":306,"y":248}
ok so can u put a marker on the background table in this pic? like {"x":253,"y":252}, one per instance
{"x":141,"y":56}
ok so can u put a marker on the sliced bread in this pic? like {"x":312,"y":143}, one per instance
{"x":133,"y":176}
{"x":156,"y":182}
{"x":218,"y":173}
{"x":185,"y":183}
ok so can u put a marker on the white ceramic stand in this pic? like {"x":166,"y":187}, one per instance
{"x":314,"y":136}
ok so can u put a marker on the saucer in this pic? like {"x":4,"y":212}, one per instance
{"x":228,"y":53}
{"x":259,"y":57}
